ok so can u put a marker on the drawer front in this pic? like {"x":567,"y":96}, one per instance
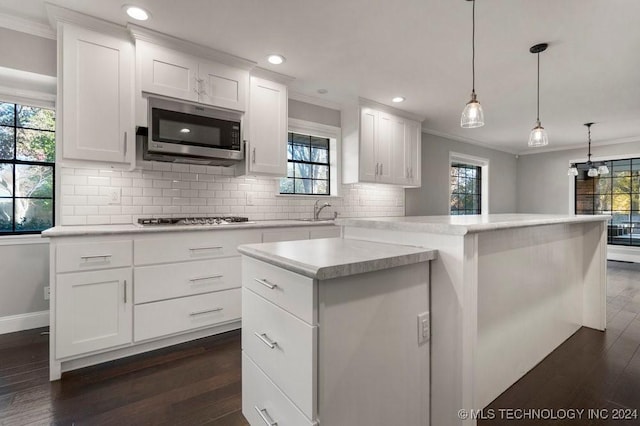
{"x":186,"y":313}
{"x":283,"y":346}
{"x":177,"y":247}
{"x":263,"y":403}
{"x":292,"y":292}
{"x":285,"y":235}
{"x":325,"y":232}
{"x":93,"y":255}
{"x":158,"y":282}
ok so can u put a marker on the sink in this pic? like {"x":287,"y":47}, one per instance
{"x":313,"y":220}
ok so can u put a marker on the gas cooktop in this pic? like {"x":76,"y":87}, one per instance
{"x":217,"y":220}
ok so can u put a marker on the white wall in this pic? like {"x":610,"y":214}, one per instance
{"x":433,"y":197}
{"x":27,"y":52}
{"x":543,"y":185}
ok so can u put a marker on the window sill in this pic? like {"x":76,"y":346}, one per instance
{"x":15,"y":240}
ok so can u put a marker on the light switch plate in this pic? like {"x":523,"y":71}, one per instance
{"x":424,"y":328}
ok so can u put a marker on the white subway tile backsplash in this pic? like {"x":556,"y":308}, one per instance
{"x":165,"y":190}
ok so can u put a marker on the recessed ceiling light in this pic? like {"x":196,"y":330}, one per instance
{"x":136,"y":12}
{"x":398,"y":99}
{"x":275,"y":59}
{"x":185,"y":130}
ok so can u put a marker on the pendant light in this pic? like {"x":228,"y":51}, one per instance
{"x":472,"y":115}
{"x":538,"y":136}
{"x":593,"y":168}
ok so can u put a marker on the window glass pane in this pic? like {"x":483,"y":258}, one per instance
{"x":6,"y":143}
{"x":621,"y":202}
{"x":303,"y":186}
{"x":36,"y":118}
{"x":602,"y":203}
{"x":7,"y":115}
{"x":36,"y":145}
{"x":34,"y":181}
{"x":33,"y":215}
{"x":465,"y":183}
{"x":302,"y":170}
{"x":322,"y":143}
{"x":319,"y":155}
{"x":602,"y":186}
{"x":286,"y":186}
{"x":301,"y":152}
{"x":290,"y":170}
{"x":620,"y":168}
{"x":584,"y":187}
{"x":584,"y":204}
{"x":300,"y":139}
{"x":6,"y":214}
{"x":321,"y":187}
{"x":289,"y":152}
{"x":321,"y":172}
{"x":6,"y":180}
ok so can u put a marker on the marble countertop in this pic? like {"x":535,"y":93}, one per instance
{"x":461,"y":225}
{"x":82,"y":230}
{"x":328,"y":258}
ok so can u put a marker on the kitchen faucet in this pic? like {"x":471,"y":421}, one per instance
{"x":317,"y":210}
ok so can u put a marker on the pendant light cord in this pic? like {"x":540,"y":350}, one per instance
{"x":538,"y":108}
{"x":589,"y":128}
{"x":473,"y":47}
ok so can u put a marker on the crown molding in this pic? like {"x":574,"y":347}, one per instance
{"x":26,"y":26}
{"x":301,"y":97}
{"x":271,"y":75}
{"x":466,"y":140}
{"x":389,"y":109}
{"x":57,"y":14}
{"x":583,"y":145}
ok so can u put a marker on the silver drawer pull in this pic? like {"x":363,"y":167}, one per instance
{"x":212,"y":277}
{"x":265,"y":283}
{"x":96,"y":256}
{"x":208,"y":311}
{"x":205,"y":248}
{"x":265,"y":416}
{"x":266,"y":340}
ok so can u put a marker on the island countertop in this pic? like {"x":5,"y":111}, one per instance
{"x":329,"y":258}
{"x":465,"y":224}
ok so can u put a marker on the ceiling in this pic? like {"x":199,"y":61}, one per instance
{"x":378,"y":49}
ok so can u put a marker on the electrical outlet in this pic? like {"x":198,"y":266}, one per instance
{"x":47,"y":293}
{"x":424,"y":328}
{"x":114,"y":196}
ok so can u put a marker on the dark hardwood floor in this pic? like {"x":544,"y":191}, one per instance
{"x":199,"y":383}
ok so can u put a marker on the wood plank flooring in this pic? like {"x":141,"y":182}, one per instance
{"x":199,"y":383}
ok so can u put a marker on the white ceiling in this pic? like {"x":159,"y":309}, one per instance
{"x":378,"y":49}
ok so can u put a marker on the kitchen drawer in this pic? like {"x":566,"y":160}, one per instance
{"x":292,"y":292}
{"x":285,"y":235}
{"x":93,"y":255}
{"x":283,"y":346}
{"x":177,"y":247}
{"x":186,"y":313}
{"x":173,"y":280}
{"x":263,"y":402}
{"x":325,"y":232}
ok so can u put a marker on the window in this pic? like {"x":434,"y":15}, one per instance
{"x":308,"y":167}
{"x":466,"y":189}
{"x":617,"y":194}
{"x":27,"y":155}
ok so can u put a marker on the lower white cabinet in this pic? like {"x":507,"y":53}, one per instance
{"x":94,"y":311}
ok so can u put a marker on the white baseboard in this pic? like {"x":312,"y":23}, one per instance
{"x":26,"y":321}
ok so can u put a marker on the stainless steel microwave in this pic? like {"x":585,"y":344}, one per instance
{"x":188,"y":133}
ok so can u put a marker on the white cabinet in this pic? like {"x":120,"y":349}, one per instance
{"x":307,"y":233}
{"x":93,"y":311}
{"x":96,"y":95}
{"x":179,"y":75}
{"x":380,"y":147}
{"x":267,"y":142}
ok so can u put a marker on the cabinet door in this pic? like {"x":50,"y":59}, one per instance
{"x":399,"y":144}
{"x":384,"y":147}
{"x":93,"y":311}
{"x":97,"y":96}
{"x":168,"y":72}
{"x":412,"y":152}
{"x":267,"y":128}
{"x":368,"y":134}
{"x":223,"y":86}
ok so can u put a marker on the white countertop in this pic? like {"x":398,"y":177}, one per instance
{"x":82,"y":230}
{"x":464,"y":224}
{"x":328,"y":258}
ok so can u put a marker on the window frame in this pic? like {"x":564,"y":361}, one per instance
{"x":483,"y":163}
{"x":332,"y":133}
{"x":37,"y":102}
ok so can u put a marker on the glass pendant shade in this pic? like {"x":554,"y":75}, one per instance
{"x":538,"y":136}
{"x":573,"y":170}
{"x":593,"y":172}
{"x":472,"y":115}
{"x":603,"y":170}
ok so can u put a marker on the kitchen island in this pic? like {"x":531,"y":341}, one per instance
{"x":506,"y":290}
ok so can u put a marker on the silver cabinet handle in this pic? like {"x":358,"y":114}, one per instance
{"x":125,"y":292}
{"x":265,"y":283}
{"x":211,"y":277}
{"x":381,"y":172}
{"x":253,"y":155}
{"x":265,"y":416}
{"x":266,"y":340}
{"x":125,"y":144}
{"x":207,"y":311}
{"x":205,"y":248}
{"x":377,"y":165}
{"x":96,"y":256}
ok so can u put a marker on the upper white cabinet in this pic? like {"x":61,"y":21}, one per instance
{"x":96,"y":95}
{"x":168,"y":72}
{"x":380,"y":147}
{"x":268,"y":117}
